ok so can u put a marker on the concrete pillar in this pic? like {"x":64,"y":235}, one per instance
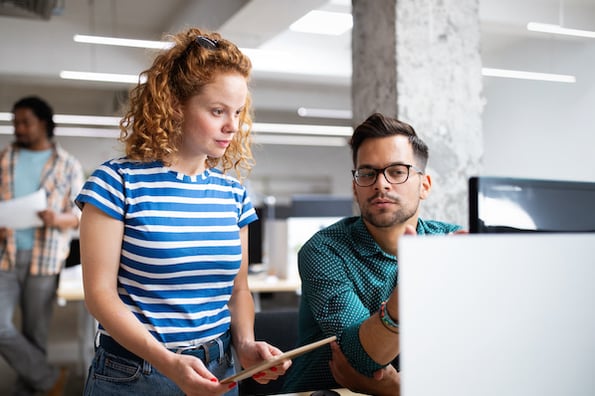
{"x":419,"y":60}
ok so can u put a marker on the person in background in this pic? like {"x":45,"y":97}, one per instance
{"x":349,"y":270}
{"x":164,"y":231}
{"x":31,"y":258}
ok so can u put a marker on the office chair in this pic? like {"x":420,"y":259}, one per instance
{"x":278,"y":328}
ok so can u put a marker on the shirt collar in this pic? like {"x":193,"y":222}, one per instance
{"x":368,"y":245}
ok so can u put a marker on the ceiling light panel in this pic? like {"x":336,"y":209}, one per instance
{"x":526,"y":75}
{"x":557,"y":29}
{"x":123,"y":42}
{"x":102,"y":77}
{"x":323,"y":22}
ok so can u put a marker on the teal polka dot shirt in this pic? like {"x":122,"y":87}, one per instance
{"x":345,"y":277}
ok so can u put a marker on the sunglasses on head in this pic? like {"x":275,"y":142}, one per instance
{"x":206,"y":42}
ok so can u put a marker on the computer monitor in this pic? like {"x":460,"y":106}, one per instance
{"x":321,"y":205}
{"x":504,"y":204}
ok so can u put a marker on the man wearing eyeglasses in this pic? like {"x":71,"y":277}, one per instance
{"x":349,"y":270}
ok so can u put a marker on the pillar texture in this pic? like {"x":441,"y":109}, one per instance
{"x":429,"y":75}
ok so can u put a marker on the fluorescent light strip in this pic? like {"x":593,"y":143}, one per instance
{"x":87,"y":120}
{"x":75,"y":119}
{"x":103,"y":77}
{"x":72,"y":131}
{"x":323,"y":22}
{"x":324,"y":113}
{"x":302,"y":129}
{"x":258,"y":139}
{"x":257,"y":127}
{"x":262,"y":60}
{"x":82,"y":38}
{"x":557,"y":29}
{"x":525,"y":75}
{"x":293,"y":140}
{"x":342,"y":114}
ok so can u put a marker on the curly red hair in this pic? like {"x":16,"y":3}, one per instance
{"x":151,"y":127}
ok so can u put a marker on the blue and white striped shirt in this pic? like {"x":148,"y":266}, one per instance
{"x":181,"y":249}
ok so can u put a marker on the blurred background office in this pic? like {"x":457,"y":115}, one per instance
{"x":533,"y":125}
{"x":531,"y":128}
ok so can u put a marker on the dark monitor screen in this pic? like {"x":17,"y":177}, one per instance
{"x":500,"y":204}
{"x":321,"y":206}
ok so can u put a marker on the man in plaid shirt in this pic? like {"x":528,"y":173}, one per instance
{"x":31,"y":258}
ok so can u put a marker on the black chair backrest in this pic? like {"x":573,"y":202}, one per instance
{"x":279,"y":328}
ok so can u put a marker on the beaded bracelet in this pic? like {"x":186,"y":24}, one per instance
{"x":386,"y":320}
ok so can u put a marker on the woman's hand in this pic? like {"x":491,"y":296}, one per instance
{"x":256,"y":352}
{"x":191,"y":375}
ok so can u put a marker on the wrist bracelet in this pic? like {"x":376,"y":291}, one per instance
{"x":386,"y":320}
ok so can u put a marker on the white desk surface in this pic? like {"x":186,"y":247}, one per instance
{"x":263,"y":283}
{"x":342,"y":392}
{"x":71,"y":284}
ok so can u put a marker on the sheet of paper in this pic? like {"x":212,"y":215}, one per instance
{"x":21,"y":212}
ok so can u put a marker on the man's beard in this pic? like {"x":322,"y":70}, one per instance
{"x":22,"y":142}
{"x":386,"y":219}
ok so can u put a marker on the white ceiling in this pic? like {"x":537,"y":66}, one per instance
{"x":35,"y":51}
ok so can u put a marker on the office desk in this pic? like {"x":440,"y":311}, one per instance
{"x":70,"y":290}
{"x":263,"y":283}
{"x":342,"y":392}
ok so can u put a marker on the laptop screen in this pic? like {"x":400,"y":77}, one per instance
{"x":501,"y":205}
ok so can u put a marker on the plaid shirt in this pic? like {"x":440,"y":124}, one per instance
{"x":61,"y":178}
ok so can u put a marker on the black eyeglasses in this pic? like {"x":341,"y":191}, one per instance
{"x":394,"y":174}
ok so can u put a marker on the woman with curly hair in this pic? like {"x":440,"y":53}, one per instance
{"x":164,"y":231}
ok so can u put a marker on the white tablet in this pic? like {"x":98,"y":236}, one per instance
{"x":249,"y":372}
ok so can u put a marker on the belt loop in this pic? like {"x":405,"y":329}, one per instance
{"x":146,"y":367}
{"x":205,"y":347}
{"x":221,"y":349}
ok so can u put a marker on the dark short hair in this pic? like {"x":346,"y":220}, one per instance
{"x":41,"y":109}
{"x":378,"y":126}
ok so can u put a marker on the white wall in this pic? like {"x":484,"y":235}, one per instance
{"x":542,"y":129}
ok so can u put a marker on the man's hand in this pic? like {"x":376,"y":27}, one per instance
{"x":62,"y":220}
{"x":49,"y":218}
{"x":410,"y":230}
{"x":386,"y":381}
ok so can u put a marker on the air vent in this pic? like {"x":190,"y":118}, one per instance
{"x":31,"y":9}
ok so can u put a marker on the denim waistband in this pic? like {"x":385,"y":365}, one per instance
{"x":207,"y":352}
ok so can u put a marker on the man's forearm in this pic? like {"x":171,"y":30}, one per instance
{"x":379,"y":336}
{"x":385,"y":381}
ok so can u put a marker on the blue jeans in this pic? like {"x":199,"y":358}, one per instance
{"x":111,"y":374}
{"x":25,"y":351}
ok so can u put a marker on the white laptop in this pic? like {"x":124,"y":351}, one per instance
{"x":497,"y":314}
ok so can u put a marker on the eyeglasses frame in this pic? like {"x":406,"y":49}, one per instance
{"x":383,"y":171}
